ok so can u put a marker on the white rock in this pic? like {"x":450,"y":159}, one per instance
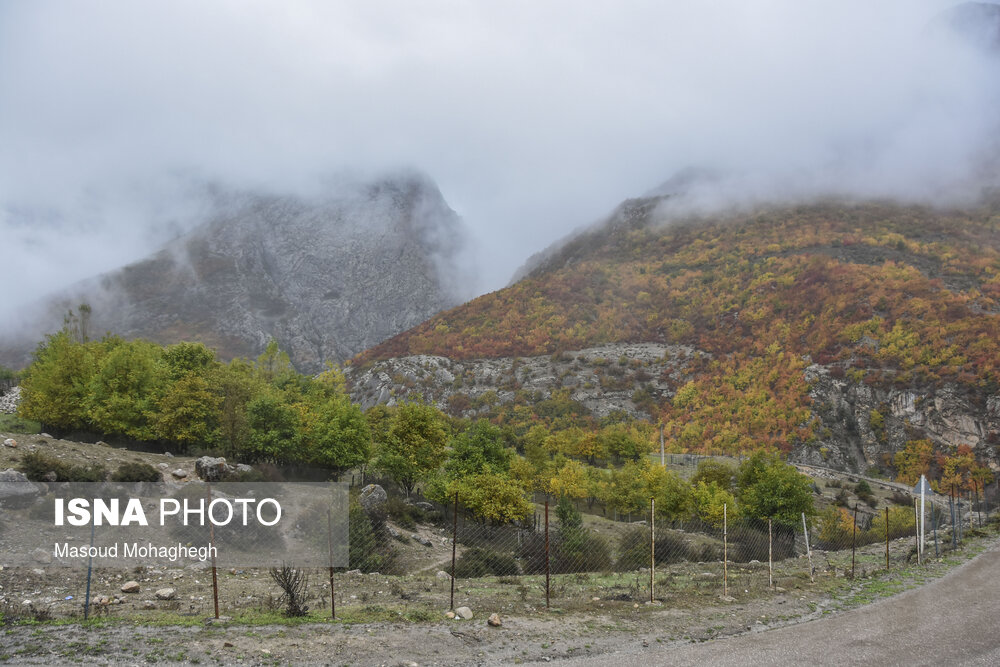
{"x":166,"y":593}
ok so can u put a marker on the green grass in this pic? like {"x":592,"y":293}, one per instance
{"x":15,"y":424}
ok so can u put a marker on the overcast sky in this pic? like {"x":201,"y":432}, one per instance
{"x":533,"y":117}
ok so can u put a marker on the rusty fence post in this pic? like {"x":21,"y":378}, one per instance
{"x":211,"y":542}
{"x":854,"y":538}
{"x":886,"y":538}
{"x":329,"y":533}
{"x":770,"y":555}
{"x":454,"y":546}
{"x":90,"y":569}
{"x":809,"y":553}
{"x":652,"y":545}
{"x":546,"y":553}
{"x":725,"y":551}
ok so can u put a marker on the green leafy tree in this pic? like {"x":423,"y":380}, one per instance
{"x":569,"y":480}
{"x":336,"y":434}
{"x":56,"y":385}
{"x":235,"y":384}
{"x":413,"y":445}
{"x":273,"y":430}
{"x":714,"y":471}
{"x":480,"y":448}
{"x":274,"y":364}
{"x":626,"y":492}
{"x":767,"y":487}
{"x":671,"y":492}
{"x":122,"y":395}
{"x":621,"y":441}
{"x":714,"y":503}
{"x":184,"y":358}
{"x":576,"y":548}
{"x":492,"y":497}
{"x":188,"y":412}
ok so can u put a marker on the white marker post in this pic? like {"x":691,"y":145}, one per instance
{"x":923,"y":487}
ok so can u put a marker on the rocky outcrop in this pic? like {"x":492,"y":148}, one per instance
{"x":862,"y":425}
{"x":9,"y":401}
{"x":604,"y":379}
{"x":327,"y":277}
{"x":373,"y":499}
{"x":212,"y":469}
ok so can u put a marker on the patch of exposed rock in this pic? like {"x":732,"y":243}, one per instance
{"x":9,"y":401}
{"x":862,"y":425}
{"x":619,"y":376}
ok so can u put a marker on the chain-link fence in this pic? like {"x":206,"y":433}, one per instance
{"x":415,"y":559}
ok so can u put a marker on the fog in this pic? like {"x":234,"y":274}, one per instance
{"x":533,"y":118}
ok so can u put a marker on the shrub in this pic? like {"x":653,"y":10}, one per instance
{"x":482,"y":562}
{"x":403,"y":514}
{"x":670,"y":547}
{"x":368,"y":549}
{"x":633,"y":549}
{"x":136,"y":472}
{"x":577,"y":549}
{"x":749,"y":542}
{"x":580,"y":550}
{"x":531,"y":553}
{"x":294,"y":584}
{"x":864,"y":493}
{"x":36,"y":465}
{"x":900,"y":498}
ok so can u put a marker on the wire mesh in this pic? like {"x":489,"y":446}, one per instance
{"x":401,"y":564}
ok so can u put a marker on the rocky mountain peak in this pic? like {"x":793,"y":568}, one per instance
{"x":327,"y":275}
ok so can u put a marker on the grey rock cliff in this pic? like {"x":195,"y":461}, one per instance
{"x":327,"y":277}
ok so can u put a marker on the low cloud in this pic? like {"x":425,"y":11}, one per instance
{"x":533,"y":118}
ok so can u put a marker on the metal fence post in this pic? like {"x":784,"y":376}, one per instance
{"x":90,"y":569}
{"x":546,"y":553}
{"x":211,"y":538}
{"x":652,"y":545}
{"x":770,"y":558}
{"x":333,"y":593}
{"x":454,"y":547}
{"x":809,"y":553}
{"x":887,"y":538}
{"x":725,"y":551}
{"x":854,"y":538}
{"x":954,"y":528}
{"x":916,"y":530}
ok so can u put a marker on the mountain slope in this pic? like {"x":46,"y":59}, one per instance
{"x":327,"y":278}
{"x":804,"y":322}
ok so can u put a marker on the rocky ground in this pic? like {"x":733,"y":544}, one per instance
{"x":375,"y":633}
{"x":158,"y":614}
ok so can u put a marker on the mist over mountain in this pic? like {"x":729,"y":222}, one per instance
{"x":326,"y":275}
{"x":532,"y":117}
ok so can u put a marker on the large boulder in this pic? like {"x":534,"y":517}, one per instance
{"x":212,"y":469}
{"x":15,"y":489}
{"x":373,"y":501}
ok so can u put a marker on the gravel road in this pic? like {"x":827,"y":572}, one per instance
{"x":950,"y":621}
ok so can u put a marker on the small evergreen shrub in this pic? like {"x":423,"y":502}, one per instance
{"x":482,"y":562}
{"x":136,"y":472}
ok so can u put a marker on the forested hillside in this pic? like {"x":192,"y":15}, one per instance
{"x":805,"y":322}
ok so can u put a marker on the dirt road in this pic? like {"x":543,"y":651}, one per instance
{"x":950,"y":621}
